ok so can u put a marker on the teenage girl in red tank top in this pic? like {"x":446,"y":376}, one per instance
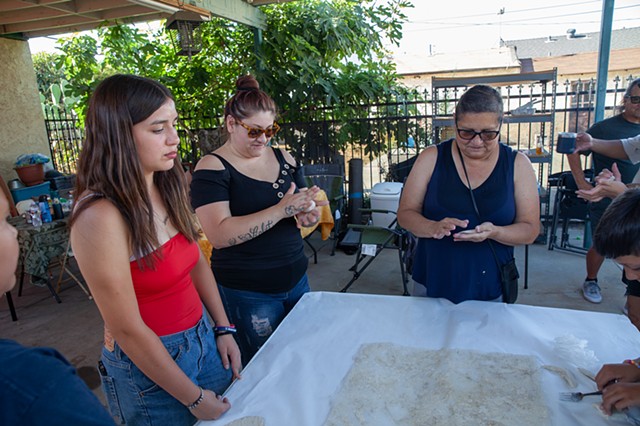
{"x":135,"y":241}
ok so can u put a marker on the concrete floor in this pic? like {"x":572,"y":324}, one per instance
{"x":74,"y":327}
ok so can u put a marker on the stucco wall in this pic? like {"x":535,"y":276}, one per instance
{"x":22,"y":129}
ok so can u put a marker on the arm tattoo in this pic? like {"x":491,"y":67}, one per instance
{"x":255,"y":231}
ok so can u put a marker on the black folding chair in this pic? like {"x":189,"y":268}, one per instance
{"x":567,"y":209}
{"x":370,"y":236}
{"x":400,"y":171}
{"x":330,"y":178}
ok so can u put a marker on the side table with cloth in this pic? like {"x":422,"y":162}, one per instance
{"x":295,"y":375}
{"x":39,"y":246}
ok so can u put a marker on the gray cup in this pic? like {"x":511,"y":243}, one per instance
{"x":566,"y":142}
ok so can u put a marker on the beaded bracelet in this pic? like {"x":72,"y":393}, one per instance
{"x":197,"y":401}
{"x":632,"y":362}
{"x":222,"y":330}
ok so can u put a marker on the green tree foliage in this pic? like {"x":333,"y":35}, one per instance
{"x":52,"y":83}
{"x":331,"y":54}
{"x":200,"y":85}
{"x":47,"y":73}
{"x":320,"y":51}
{"x":314,"y":54}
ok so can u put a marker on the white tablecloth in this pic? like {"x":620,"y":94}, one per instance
{"x":293,"y":377}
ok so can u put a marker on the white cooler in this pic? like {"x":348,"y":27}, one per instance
{"x":385,"y":196}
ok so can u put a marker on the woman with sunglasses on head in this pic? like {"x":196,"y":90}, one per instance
{"x":453,"y":259}
{"x":251,"y":200}
{"x":135,"y":240}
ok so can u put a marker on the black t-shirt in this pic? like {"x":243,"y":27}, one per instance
{"x":615,"y":127}
{"x":272,"y":262}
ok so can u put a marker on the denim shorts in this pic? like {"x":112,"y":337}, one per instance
{"x":256,"y":315}
{"x":134,"y":399}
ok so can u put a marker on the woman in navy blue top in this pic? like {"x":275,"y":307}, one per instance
{"x":436,"y":205}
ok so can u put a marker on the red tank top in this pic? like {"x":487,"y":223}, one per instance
{"x":167,"y":298}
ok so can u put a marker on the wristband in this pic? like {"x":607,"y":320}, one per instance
{"x":632,"y":362}
{"x":197,"y":401}
{"x":222,"y":330}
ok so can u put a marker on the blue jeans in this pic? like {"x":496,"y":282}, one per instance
{"x":633,"y":415}
{"x":256,"y":315}
{"x":134,"y":399}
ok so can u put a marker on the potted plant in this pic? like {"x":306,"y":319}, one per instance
{"x":30,"y":168}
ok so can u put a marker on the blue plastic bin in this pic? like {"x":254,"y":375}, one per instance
{"x":28,"y":192}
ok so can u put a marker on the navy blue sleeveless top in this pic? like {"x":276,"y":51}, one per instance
{"x":461,"y":271}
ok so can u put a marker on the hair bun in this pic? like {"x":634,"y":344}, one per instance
{"x":247,"y":83}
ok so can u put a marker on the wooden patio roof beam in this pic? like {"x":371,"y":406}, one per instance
{"x":235,"y":10}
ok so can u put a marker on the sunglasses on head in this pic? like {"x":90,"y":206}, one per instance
{"x":485,"y":135}
{"x":254,"y":132}
{"x":633,"y":99}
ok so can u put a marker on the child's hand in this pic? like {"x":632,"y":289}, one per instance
{"x":620,"y":396}
{"x":610,"y":373}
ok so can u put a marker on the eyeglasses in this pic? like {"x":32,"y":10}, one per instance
{"x":254,"y":132}
{"x":485,"y":135}
{"x":633,"y":99}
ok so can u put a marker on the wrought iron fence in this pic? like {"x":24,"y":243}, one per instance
{"x":386,"y":134}
{"x":65,"y":138}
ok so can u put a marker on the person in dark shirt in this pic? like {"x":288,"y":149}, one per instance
{"x":624,"y":125}
{"x":38,"y":385}
{"x":609,"y":185}
{"x":251,"y":200}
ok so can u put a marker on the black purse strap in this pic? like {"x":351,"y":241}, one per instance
{"x":475,"y":206}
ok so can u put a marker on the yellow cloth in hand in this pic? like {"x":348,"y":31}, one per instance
{"x":326,"y":219}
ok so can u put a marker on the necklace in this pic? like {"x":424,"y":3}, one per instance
{"x":164,"y":221}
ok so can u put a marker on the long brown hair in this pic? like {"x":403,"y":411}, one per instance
{"x":109,"y":166}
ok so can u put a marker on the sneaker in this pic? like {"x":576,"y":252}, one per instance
{"x":591,"y":291}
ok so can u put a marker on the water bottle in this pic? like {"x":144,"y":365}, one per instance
{"x":57,"y":209}
{"x":34,"y":214}
{"x":45,"y":213}
{"x":36,"y":220}
{"x":50,"y":203}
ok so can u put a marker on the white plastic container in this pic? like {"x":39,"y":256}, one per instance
{"x":385,"y":196}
